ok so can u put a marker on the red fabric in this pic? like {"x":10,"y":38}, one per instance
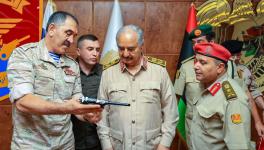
{"x":260,"y":144}
{"x":192,"y":22}
{"x":212,"y":50}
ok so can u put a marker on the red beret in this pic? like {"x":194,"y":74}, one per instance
{"x":212,"y":50}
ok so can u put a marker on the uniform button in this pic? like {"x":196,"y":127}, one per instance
{"x":133,"y":100}
{"x":134,"y":143}
{"x":133,"y":121}
{"x":133,"y":79}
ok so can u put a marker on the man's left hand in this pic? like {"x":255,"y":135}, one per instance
{"x":93,"y":117}
{"x":161,"y":147}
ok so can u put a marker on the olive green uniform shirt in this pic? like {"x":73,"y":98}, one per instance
{"x":220,"y":122}
{"x":32,"y":70}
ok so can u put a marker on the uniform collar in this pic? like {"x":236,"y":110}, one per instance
{"x":143,"y":64}
{"x":44,"y":55}
{"x":216,"y":86}
{"x":97,"y":69}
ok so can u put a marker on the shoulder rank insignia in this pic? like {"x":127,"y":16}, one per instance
{"x":111,"y":64}
{"x":228,"y":90}
{"x":186,"y":60}
{"x":156,"y":61}
{"x":240,"y":73}
{"x":215,"y":88}
{"x":236,"y":118}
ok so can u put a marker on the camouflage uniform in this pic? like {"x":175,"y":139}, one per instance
{"x":32,"y":70}
{"x":150,"y":120}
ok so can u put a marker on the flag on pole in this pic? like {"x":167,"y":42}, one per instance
{"x":186,"y":52}
{"x":110,"y":50}
{"x":49,"y":10}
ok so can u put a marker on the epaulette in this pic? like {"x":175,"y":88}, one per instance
{"x":240,"y":73}
{"x":228,"y":90}
{"x":156,"y":61}
{"x":111,"y":64}
{"x":185,"y":60}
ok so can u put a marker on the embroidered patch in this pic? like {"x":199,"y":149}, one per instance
{"x":236,"y":118}
{"x":69,"y":71}
{"x":197,"y":32}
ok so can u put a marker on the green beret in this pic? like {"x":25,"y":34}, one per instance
{"x":202,"y":30}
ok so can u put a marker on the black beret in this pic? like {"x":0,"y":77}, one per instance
{"x":233,"y":46}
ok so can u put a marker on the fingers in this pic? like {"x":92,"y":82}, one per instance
{"x":93,"y":117}
{"x":73,"y":106}
{"x":260,"y":129}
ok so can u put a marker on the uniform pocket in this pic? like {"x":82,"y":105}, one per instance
{"x":150,"y":92}
{"x":210,"y":119}
{"x":57,"y":123}
{"x":69,"y":86}
{"x":117,"y":92}
{"x":44,"y":83}
{"x":116,"y":138}
{"x":153,"y":138}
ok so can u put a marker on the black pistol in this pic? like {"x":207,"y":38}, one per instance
{"x":88,"y":100}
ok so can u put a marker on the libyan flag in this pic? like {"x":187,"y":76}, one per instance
{"x":186,"y":52}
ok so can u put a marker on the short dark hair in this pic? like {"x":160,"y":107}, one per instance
{"x":90,"y":37}
{"x":59,"y":18}
{"x":210,"y":37}
{"x":218,"y":61}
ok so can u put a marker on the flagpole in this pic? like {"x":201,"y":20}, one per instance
{"x":110,"y":49}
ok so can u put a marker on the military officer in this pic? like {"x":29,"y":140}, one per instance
{"x":186,"y":84}
{"x":235,"y":47}
{"x":150,"y":122}
{"x":45,"y":87}
{"x":221,"y":115}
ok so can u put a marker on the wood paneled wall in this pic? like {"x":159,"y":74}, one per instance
{"x":163,"y":21}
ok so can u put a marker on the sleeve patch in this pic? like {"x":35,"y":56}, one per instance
{"x":236,"y":118}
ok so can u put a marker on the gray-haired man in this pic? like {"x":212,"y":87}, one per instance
{"x":150,"y":122}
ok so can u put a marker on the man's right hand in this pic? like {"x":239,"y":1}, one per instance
{"x":32,"y":104}
{"x":73,"y":106}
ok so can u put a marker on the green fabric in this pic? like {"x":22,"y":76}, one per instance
{"x":252,"y":51}
{"x":181,"y":123}
{"x":205,"y":29}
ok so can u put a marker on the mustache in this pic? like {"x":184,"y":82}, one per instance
{"x":126,"y":58}
{"x":67,"y":43}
